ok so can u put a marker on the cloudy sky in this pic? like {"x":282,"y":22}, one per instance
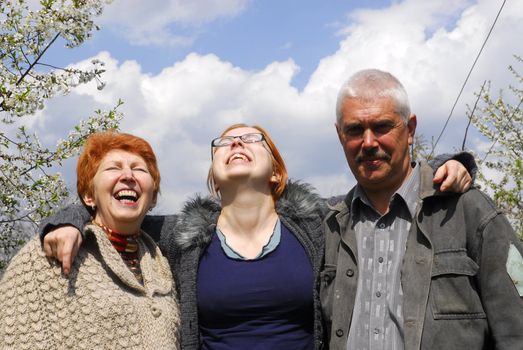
{"x":186,"y":69}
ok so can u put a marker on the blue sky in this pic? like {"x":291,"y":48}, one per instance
{"x":263,"y":32}
{"x":188,"y":69}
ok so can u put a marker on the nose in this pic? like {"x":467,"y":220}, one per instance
{"x":369,"y":139}
{"x":236,"y":141}
{"x":127,"y":174}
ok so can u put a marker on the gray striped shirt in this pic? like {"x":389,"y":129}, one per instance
{"x":377,"y":321}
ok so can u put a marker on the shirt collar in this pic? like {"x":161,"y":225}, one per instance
{"x":273,"y":243}
{"x":408,"y":192}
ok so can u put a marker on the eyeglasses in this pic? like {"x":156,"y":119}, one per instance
{"x":224,"y":141}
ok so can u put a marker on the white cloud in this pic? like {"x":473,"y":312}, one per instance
{"x":183,"y":107}
{"x":428,"y":45}
{"x":150,"y":22}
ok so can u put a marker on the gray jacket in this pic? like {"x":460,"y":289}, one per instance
{"x":457,"y":292}
{"x":185,"y":240}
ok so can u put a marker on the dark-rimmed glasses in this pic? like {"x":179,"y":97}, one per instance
{"x":224,"y":141}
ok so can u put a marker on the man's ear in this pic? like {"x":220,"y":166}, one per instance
{"x":338,"y":131}
{"x":411,"y":125}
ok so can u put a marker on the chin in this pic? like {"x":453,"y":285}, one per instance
{"x":129,"y":217}
{"x":373,"y":181}
{"x":373,"y":176}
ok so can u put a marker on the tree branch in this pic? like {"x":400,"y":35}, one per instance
{"x":32,"y":65}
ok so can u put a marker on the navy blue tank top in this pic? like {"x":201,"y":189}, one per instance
{"x":266,"y":303}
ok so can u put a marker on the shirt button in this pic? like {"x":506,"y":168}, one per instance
{"x":339,"y":332}
{"x":378,"y":294}
{"x":382,"y":225}
{"x":350,"y":272}
{"x":380,"y":259}
{"x":376,"y":331}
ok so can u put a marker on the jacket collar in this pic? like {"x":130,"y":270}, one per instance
{"x":426,"y":186}
{"x":340,"y":206}
{"x":197,"y":222}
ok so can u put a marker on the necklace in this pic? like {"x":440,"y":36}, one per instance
{"x":127,"y":247}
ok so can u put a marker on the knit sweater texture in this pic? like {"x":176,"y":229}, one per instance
{"x":101,"y":305}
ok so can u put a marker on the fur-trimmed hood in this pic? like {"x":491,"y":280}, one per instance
{"x":199,"y":216}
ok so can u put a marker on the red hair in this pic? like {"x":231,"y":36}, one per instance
{"x":98,"y":145}
{"x":278,"y":165}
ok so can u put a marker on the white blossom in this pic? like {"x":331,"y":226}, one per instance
{"x":28,"y":191}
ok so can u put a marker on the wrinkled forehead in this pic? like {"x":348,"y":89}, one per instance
{"x":241,"y":131}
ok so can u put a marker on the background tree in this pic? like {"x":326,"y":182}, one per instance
{"x":500,"y":119}
{"x":420,"y":149}
{"x":28,"y":187}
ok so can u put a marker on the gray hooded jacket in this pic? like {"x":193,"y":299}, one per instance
{"x":299,"y":209}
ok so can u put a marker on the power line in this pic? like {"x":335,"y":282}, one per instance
{"x":467,"y":78}
{"x":471,"y":115}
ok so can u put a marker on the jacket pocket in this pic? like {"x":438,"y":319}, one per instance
{"x":453,"y":292}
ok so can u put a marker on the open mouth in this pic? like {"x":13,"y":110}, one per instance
{"x":240,"y":157}
{"x":126,"y":196}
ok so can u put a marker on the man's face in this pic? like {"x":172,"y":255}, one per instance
{"x":376,"y":142}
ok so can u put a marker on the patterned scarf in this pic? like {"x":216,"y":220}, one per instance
{"x":127,"y":247}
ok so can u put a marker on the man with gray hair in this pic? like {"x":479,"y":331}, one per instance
{"x":407,"y":266}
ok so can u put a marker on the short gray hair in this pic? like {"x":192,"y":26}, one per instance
{"x":369,"y":84}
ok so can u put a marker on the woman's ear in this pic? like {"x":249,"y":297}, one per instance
{"x":89,"y":200}
{"x":275,"y":178}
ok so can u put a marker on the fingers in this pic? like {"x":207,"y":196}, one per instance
{"x":47,"y":246}
{"x":448,"y":183}
{"x":63,"y":244}
{"x":453,"y":177}
{"x":463,"y":182}
{"x":440,"y":174}
{"x":68,"y":250}
{"x":65,"y":253}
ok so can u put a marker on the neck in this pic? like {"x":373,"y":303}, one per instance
{"x":120,"y":230}
{"x":247,"y":211}
{"x":380,"y":196}
{"x":380,"y":199}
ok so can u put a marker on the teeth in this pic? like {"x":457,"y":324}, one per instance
{"x":237,"y":156}
{"x":127,"y":195}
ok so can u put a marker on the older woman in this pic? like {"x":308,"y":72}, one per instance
{"x":120,"y":292}
{"x":247,"y":259}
